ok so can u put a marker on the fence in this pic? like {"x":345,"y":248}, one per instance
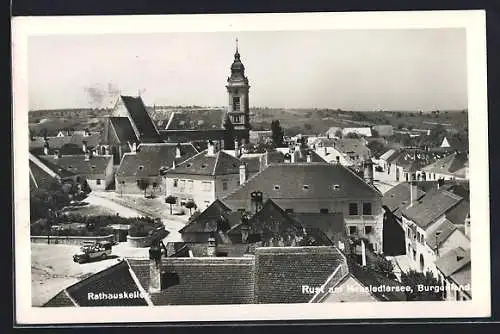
{"x":68,"y":240}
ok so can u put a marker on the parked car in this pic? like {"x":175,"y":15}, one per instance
{"x":92,"y":251}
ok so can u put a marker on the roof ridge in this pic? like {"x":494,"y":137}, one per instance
{"x":248,"y":180}
{"x":189,"y":159}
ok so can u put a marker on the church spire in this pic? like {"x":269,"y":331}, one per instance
{"x":237,"y":54}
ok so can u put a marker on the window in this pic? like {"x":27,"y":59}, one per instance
{"x":141,"y":167}
{"x":207,"y":186}
{"x":236,"y":119}
{"x":409,"y":233}
{"x":236,"y":103}
{"x":305,"y":187}
{"x":224,"y":185}
{"x":368,"y":229}
{"x":276,"y":187}
{"x":190,"y":185}
{"x":98,"y":181}
{"x":353,"y":230}
{"x":336,"y":187}
{"x":353,"y":209}
{"x":367,"y":209}
{"x":176,"y":182}
{"x":183,"y":185}
{"x":457,"y":295}
{"x":323,"y":210}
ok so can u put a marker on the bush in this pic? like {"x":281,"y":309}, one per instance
{"x":142,"y":227}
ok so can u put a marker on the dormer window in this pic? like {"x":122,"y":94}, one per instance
{"x":336,"y":187}
{"x":305,"y":187}
{"x":203,"y":166}
{"x":276,"y":187}
{"x":141,"y":167}
{"x":188,"y":165}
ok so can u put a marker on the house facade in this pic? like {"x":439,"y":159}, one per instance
{"x":301,"y":188}
{"x":204,"y":177}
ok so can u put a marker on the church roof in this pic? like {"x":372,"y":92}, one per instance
{"x":123,"y":129}
{"x":204,"y":119}
{"x":139,"y":115}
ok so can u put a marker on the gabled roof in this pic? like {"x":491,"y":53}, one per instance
{"x":75,"y":140}
{"x":115,"y":280}
{"x":44,"y":168}
{"x":281,"y":271}
{"x":454,"y":260}
{"x":139,"y":115}
{"x":40,"y":177}
{"x":201,"y":280}
{"x":398,"y":197}
{"x":304,"y":180}
{"x":76,"y":164}
{"x":446,"y":228}
{"x":205,"y":119}
{"x":149,"y":158}
{"x":459,"y":212}
{"x":220,"y":163}
{"x":331,"y":224}
{"x":453,"y":164}
{"x":123,"y":129}
{"x":352,"y":146}
{"x":273,"y":220}
{"x":431,"y":207}
{"x":209,"y":219}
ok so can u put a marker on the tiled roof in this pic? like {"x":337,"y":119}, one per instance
{"x":229,"y":250}
{"x":220,"y":163}
{"x":123,"y":129}
{"x":431,"y":207}
{"x":273,"y":220}
{"x":201,"y":280}
{"x":368,"y":277}
{"x":454,"y":260}
{"x":463,"y":276}
{"x":453,"y":164}
{"x":149,"y":158}
{"x":62,"y":299}
{"x":446,"y":228}
{"x":281,"y":272}
{"x":207,"y":220}
{"x":114,"y":280}
{"x":459,"y":212}
{"x":331,"y":224}
{"x":58,"y":142}
{"x":352,"y":146}
{"x":46,"y":166}
{"x":399,"y":196}
{"x":252,"y":161}
{"x":208,"y":119}
{"x":77,"y":164}
{"x":139,"y":115}
{"x":38,"y":177}
{"x":303,"y":180}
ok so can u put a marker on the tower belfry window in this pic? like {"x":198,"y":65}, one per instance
{"x":236,"y":103}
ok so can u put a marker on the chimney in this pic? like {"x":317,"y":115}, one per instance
{"x":87,"y":156}
{"x":211,"y":148}
{"x":413,"y":190}
{"x":134,"y":147}
{"x":368,"y":171}
{"x":326,"y":150}
{"x":178,"y":151}
{"x":243,"y":173}
{"x":212,"y":245}
{"x":308,"y":157}
{"x":237,"y":151}
{"x":293,"y":157}
{"x":46,"y":149}
{"x":84,"y":146}
{"x":173,"y":164}
{"x":154,"y":268}
{"x":244,"y":233}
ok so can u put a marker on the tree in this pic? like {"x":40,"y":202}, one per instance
{"x":277,"y":133}
{"x":338,"y":133}
{"x":376,"y":148}
{"x":308,"y":127}
{"x":143,"y":184}
{"x":190,"y":205}
{"x":171,"y":200}
{"x":416,"y":280}
{"x":375,"y":133}
{"x":228,"y":134}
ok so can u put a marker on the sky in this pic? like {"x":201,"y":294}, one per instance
{"x":420,"y":69}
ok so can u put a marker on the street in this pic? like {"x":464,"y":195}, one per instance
{"x":53,"y":269}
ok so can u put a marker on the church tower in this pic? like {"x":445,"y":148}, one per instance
{"x":237,"y":89}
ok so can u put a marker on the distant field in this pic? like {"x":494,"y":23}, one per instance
{"x":305,"y":121}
